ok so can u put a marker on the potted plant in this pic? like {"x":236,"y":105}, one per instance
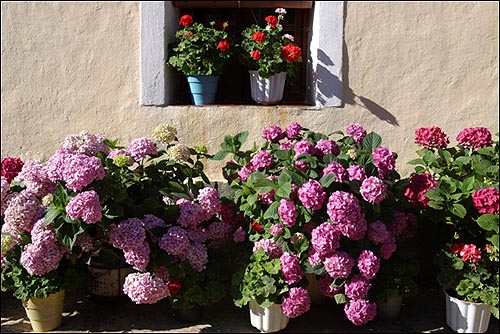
{"x":457,"y":189}
{"x":36,"y":266}
{"x":327,"y":207}
{"x":200,"y":53}
{"x":271,"y":57}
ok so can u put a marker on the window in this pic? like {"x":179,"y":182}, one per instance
{"x":319,"y":80}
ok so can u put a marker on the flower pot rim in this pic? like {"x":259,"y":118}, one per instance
{"x":463,"y":300}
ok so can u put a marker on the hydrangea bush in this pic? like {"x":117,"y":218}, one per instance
{"x":456,"y":187}
{"x":327,"y":205}
{"x":148,"y":202}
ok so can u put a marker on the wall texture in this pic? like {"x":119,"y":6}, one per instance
{"x":70,"y":66}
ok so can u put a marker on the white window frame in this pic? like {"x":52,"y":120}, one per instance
{"x":159,"y":22}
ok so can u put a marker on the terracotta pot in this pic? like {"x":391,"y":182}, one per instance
{"x":45,"y":314}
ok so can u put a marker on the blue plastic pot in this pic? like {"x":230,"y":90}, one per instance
{"x":203,"y":88}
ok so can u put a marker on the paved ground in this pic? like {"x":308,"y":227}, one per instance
{"x":422,"y":314}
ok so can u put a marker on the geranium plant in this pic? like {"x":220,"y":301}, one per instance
{"x":200,"y":49}
{"x":319,"y":205}
{"x":457,"y":189}
{"x":268,"y":50}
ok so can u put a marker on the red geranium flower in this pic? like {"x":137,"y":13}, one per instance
{"x":11,"y":167}
{"x":291,"y":52}
{"x":223,"y":46}
{"x":257,"y":227}
{"x":255,"y":54}
{"x":259,"y":37}
{"x":186,"y":20}
{"x":271,"y":20}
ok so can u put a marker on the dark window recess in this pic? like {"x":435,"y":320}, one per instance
{"x":234,"y":83}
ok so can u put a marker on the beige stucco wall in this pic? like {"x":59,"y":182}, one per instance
{"x":69,"y":66}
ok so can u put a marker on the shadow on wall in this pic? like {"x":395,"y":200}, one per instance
{"x":350,"y":97}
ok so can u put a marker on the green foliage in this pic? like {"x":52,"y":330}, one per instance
{"x":197,"y":50}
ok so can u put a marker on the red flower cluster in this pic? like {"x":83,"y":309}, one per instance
{"x":255,"y":54}
{"x":186,"y":20}
{"x":11,"y":167}
{"x":272,"y":21}
{"x":291,"y":53}
{"x":468,"y":252}
{"x":223,"y":46}
{"x":259,"y":37}
{"x":174,"y":287}
{"x":431,"y":137}
{"x":475,"y":137}
{"x":257,"y":227}
{"x":417,"y":187}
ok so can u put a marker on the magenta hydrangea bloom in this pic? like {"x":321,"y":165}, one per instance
{"x":296,"y":303}
{"x":486,"y":200}
{"x":378,"y":232}
{"x":262,"y":159}
{"x":327,"y":146}
{"x":357,"y":287}
{"x":312,"y":195}
{"x":290,"y":268}
{"x":339,"y":265}
{"x":404,"y":225}
{"x":86,"y":206}
{"x":271,"y":247}
{"x":384,"y":160}
{"x":303,"y":147}
{"x":175,"y":241}
{"x":325,"y":239}
{"x":373,"y":190}
{"x":286,"y":145}
{"x":431,"y":137}
{"x":342,"y":207}
{"x":293,"y":130}
{"x":142,"y":288}
{"x":388,"y":247}
{"x":368,"y":264}
{"x":475,"y":137}
{"x":357,"y":132}
{"x":277,"y":229}
{"x":245,"y":172}
{"x":139,"y":148}
{"x":360,"y":311}
{"x":272,"y":133}
{"x":356,"y":172}
{"x":337,"y":169}
{"x":287,"y":212}
{"x":325,"y":284}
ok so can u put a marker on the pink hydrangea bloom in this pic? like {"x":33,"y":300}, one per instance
{"x":23,"y":210}
{"x":190,"y":213}
{"x":431,"y":137}
{"x":139,"y":148}
{"x":378,"y":232}
{"x":271,"y":247}
{"x":197,"y":256}
{"x":388,"y":247}
{"x":337,"y":169}
{"x":198,"y":233}
{"x":327,"y":146}
{"x":55,"y":164}
{"x":245,"y":172}
{"x":368,"y":264}
{"x":239,"y":235}
{"x":357,"y":287}
{"x":209,"y":200}
{"x":384,"y":160}
{"x":312,"y":195}
{"x":286,"y":145}
{"x":360,"y":311}
{"x":293,"y":130}
{"x":272,"y":133}
{"x":404,"y":225}
{"x":151,"y":221}
{"x":475,"y":138}
{"x":35,"y":178}
{"x":142,"y":288}
{"x":418,"y":185}
{"x":79,"y":170}
{"x":262,"y":159}
{"x":296,"y":303}
{"x":290,"y":268}
{"x":138,"y":257}
{"x":356,"y":131}
{"x":86,"y":206}
{"x":356,"y":172}
{"x":373,"y":189}
{"x":327,"y":289}
{"x":128,"y":234}
{"x":86,"y":143}
{"x":287,"y":212}
{"x":339,"y":265}
{"x":314,"y":257}
{"x":277,"y":229}
{"x":486,"y":200}
{"x":267,"y":198}
{"x":342,"y":207}
{"x":325,"y":239}
{"x":175,"y":241}
{"x":219,"y":230}
{"x":303,"y":147}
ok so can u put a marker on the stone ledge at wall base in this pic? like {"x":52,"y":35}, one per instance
{"x":267,"y":91}
{"x":467,"y":317}
{"x":267,"y":320}
{"x":190,"y":315}
{"x":203,"y":88}
{"x":45,"y":314}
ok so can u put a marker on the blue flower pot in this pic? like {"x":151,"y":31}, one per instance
{"x":203,"y":88}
